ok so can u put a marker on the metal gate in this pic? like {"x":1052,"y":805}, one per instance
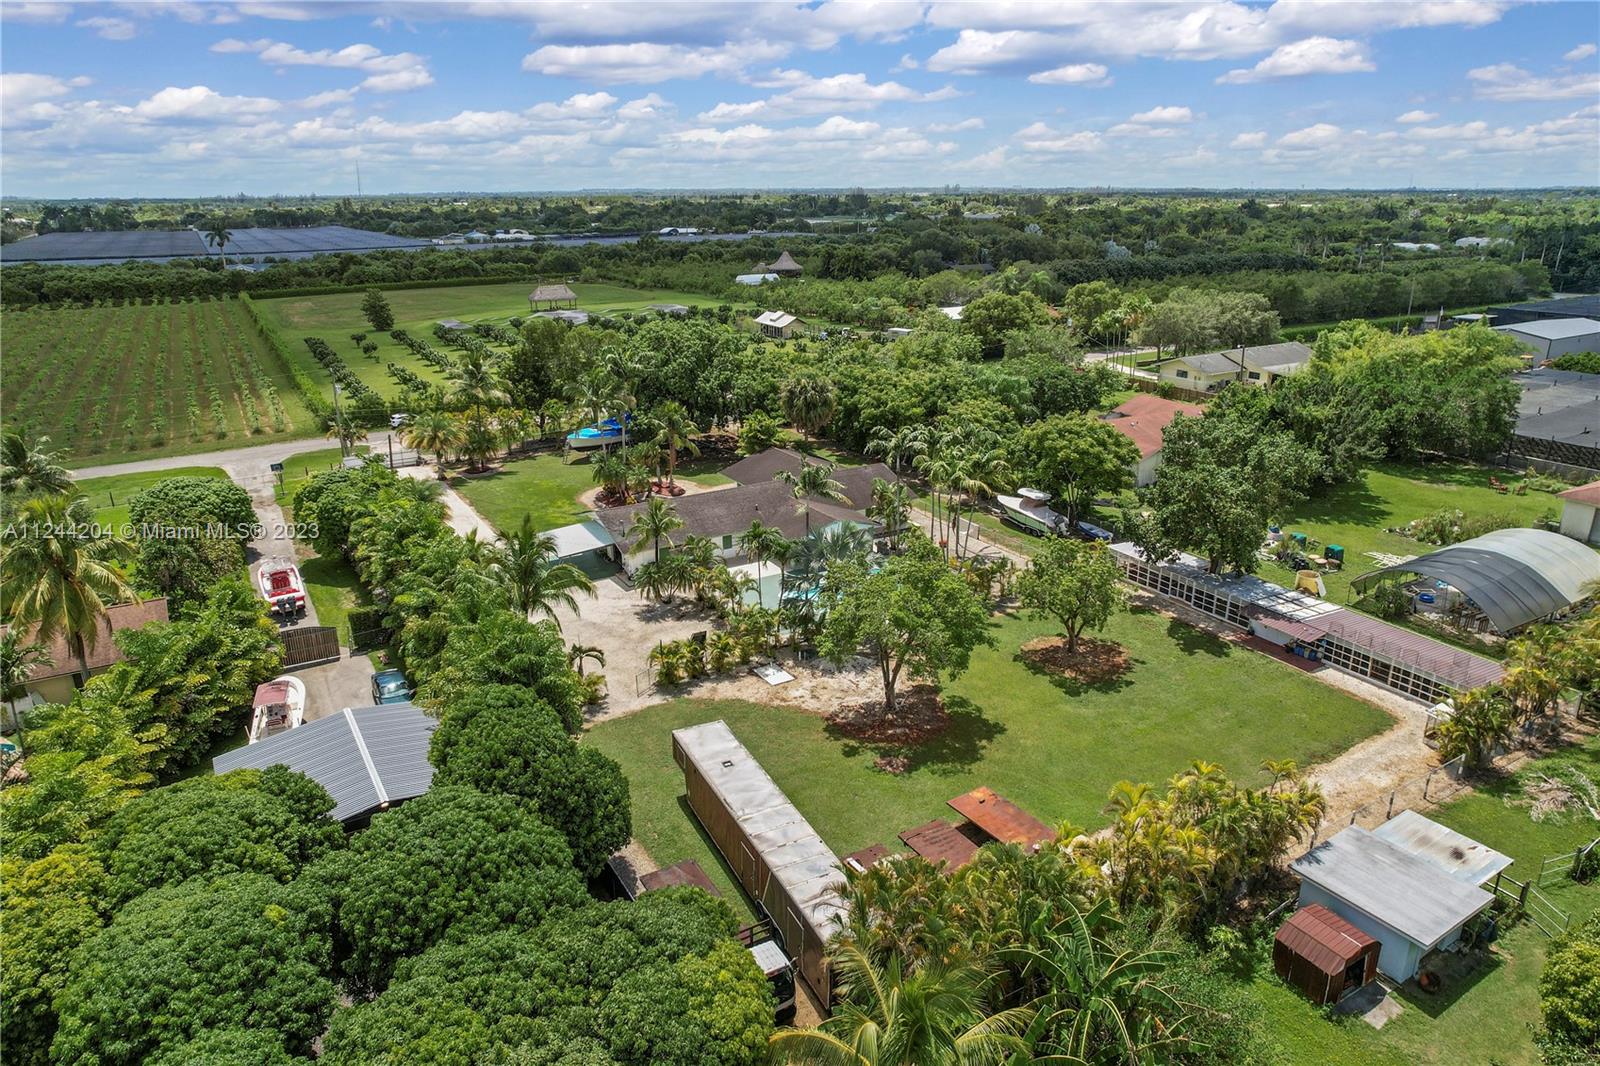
{"x":309,"y":645}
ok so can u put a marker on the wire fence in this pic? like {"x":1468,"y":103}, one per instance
{"x":1426,"y":791}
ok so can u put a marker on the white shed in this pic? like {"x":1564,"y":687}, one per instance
{"x":1402,"y":885}
{"x":1551,"y":338}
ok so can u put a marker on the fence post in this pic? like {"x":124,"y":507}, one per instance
{"x":1390,"y":812}
{"x":1522,"y":896}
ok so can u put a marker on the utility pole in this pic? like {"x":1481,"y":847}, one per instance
{"x":338,"y":423}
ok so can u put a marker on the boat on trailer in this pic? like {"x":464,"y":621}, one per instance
{"x":281,"y":586}
{"x":600,"y":435}
{"x":1030,"y":509}
{"x":279,"y":705}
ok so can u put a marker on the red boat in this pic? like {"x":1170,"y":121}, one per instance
{"x":282,"y":587}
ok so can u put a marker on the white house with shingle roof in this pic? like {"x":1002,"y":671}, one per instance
{"x":1260,"y":364}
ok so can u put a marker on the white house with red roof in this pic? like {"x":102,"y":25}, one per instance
{"x":1143,"y":420}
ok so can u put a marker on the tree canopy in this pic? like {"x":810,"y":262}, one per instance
{"x":1074,"y":458}
{"x":504,"y":739}
{"x":454,"y":862}
{"x":914,"y":616}
{"x":1076,"y":583}
{"x":241,"y":950}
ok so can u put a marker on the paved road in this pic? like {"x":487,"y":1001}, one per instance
{"x":240,"y":463}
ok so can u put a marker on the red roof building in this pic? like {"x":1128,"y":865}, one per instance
{"x":1143,"y":420}
{"x":1323,"y":955}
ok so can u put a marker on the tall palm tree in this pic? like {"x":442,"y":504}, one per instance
{"x":31,"y":469}
{"x":56,"y":577}
{"x":762,"y":543}
{"x":433,"y":431}
{"x":890,"y":508}
{"x":514,"y":425}
{"x":891,"y":1016}
{"x":898,"y":447}
{"x":1095,"y":1000}
{"x":979,"y":474}
{"x":674,"y":430}
{"x":578,"y":654}
{"x":811,"y":481}
{"x":535,"y":579}
{"x":657,"y":520}
{"x":476,"y":381}
{"x":217,"y":236}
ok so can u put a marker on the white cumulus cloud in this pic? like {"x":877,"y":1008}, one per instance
{"x":1090,"y":75}
{"x":646,"y":62}
{"x":1583,"y":51}
{"x":1412,"y":117}
{"x":199,"y":103}
{"x":1506,"y":81}
{"x":1314,"y":55}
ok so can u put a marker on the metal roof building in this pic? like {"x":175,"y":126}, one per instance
{"x":366,"y":757}
{"x":1515,"y":576}
{"x":1402,"y":899}
{"x":1559,"y":307}
{"x":1455,"y":853}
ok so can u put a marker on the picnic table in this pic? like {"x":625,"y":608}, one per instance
{"x":1000,"y":818}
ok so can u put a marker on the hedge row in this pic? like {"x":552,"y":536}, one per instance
{"x":392,"y":286}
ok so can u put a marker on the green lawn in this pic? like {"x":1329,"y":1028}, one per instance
{"x":544,"y":487}
{"x":305,"y":465}
{"x":110,"y":495}
{"x":1054,"y":747}
{"x":335,"y":317}
{"x":334,"y":589}
{"x":1387,"y":496}
{"x":1487,"y":1018}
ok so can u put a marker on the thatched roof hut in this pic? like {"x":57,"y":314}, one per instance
{"x":552,"y":296}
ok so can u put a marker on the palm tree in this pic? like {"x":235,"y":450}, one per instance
{"x":346,"y":430}
{"x":433,"y":431}
{"x":31,"y":469}
{"x":762,"y":543}
{"x":889,"y":1016}
{"x":897,"y":447}
{"x":890,"y":508}
{"x":514,"y":426}
{"x":812,"y":481}
{"x":56,"y":577}
{"x":17,"y":663}
{"x":536,"y":580}
{"x":218,"y":236}
{"x":478,"y":441}
{"x":980,"y":472}
{"x":674,"y":430}
{"x":1095,"y":1000}
{"x":578,"y":654}
{"x":657,"y":520}
{"x":809,"y":402}
{"x":476,"y":381}
{"x":611,"y":473}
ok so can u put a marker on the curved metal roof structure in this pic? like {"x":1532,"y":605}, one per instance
{"x":1515,"y":576}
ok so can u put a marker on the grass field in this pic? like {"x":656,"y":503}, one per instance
{"x":335,"y":317}
{"x":1485,"y":1018}
{"x":109,"y":496}
{"x":1355,"y":515}
{"x":139,"y":381}
{"x":1054,"y":747}
{"x":543,"y":486}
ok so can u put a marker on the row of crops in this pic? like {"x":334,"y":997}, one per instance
{"x":116,"y":380}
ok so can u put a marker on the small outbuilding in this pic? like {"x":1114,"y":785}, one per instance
{"x":1580,"y":513}
{"x":779,"y":325}
{"x":1323,"y":955}
{"x":548,"y":297}
{"x":784,"y":266}
{"x":1412,"y":885}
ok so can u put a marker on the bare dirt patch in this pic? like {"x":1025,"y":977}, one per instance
{"x":1094,"y":663}
{"x":919,"y":717}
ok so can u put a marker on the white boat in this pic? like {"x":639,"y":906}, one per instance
{"x":280,"y":704}
{"x":1030,"y":509}
{"x":281,"y":586}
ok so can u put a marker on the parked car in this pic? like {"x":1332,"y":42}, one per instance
{"x":390,"y":686}
{"x":398,"y":419}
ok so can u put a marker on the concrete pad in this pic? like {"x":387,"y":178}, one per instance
{"x":332,"y":687}
{"x":1373,"y":1003}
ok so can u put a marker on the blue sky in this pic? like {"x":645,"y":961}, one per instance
{"x":182,"y":99}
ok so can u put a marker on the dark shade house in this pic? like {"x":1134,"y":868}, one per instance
{"x":1535,"y":310}
{"x":1323,"y":955}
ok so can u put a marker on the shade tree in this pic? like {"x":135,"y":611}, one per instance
{"x":1075,"y":458}
{"x":503,"y":739}
{"x":1077,"y":583}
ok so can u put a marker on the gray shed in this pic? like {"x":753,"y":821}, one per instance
{"x":773,"y":851}
{"x":368,"y":758}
